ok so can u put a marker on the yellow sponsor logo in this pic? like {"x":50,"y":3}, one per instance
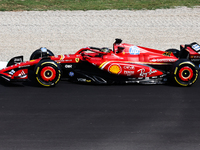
{"x":167,"y":54}
{"x":77,"y":60}
{"x":61,"y":57}
{"x":115,"y":69}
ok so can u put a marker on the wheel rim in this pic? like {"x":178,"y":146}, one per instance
{"x":48,"y":73}
{"x":186,"y":73}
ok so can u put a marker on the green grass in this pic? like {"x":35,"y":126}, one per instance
{"x":19,"y":5}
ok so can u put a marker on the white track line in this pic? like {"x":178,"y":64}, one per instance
{"x":2,"y":64}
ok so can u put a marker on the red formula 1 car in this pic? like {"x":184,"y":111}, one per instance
{"x":126,"y":63}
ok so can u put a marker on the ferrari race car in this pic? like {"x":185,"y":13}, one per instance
{"x":126,"y":63}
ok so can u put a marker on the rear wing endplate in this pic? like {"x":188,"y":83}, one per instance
{"x":15,"y":60}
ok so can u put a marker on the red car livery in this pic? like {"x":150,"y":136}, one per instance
{"x":126,"y":63}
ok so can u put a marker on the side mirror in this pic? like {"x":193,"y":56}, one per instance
{"x":118,"y":41}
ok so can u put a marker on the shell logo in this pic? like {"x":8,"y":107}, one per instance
{"x":115,"y":69}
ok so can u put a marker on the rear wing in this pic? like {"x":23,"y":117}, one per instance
{"x":15,"y":60}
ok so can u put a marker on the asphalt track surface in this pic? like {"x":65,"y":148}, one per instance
{"x":91,"y":117}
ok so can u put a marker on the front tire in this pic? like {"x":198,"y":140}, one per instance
{"x":174,"y":51}
{"x":185,"y":73}
{"x":47,"y":73}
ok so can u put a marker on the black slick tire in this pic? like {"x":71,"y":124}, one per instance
{"x":38,"y":53}
{"x":174,"y":51}
{"x":47,"y":73}
{"x":185,"y":73}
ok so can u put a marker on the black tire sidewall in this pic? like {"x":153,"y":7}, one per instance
{"x":37,"y":54}
{"x":176,"y":52}
{"x":181,"y":64}
{"x":40,"y":66}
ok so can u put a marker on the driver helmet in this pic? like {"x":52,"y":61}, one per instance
{"x":105,"y":49}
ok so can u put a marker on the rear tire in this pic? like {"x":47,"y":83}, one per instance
{"x":38,"y":54}
{"x":47,"y":73}
{"x":185,"y":73}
